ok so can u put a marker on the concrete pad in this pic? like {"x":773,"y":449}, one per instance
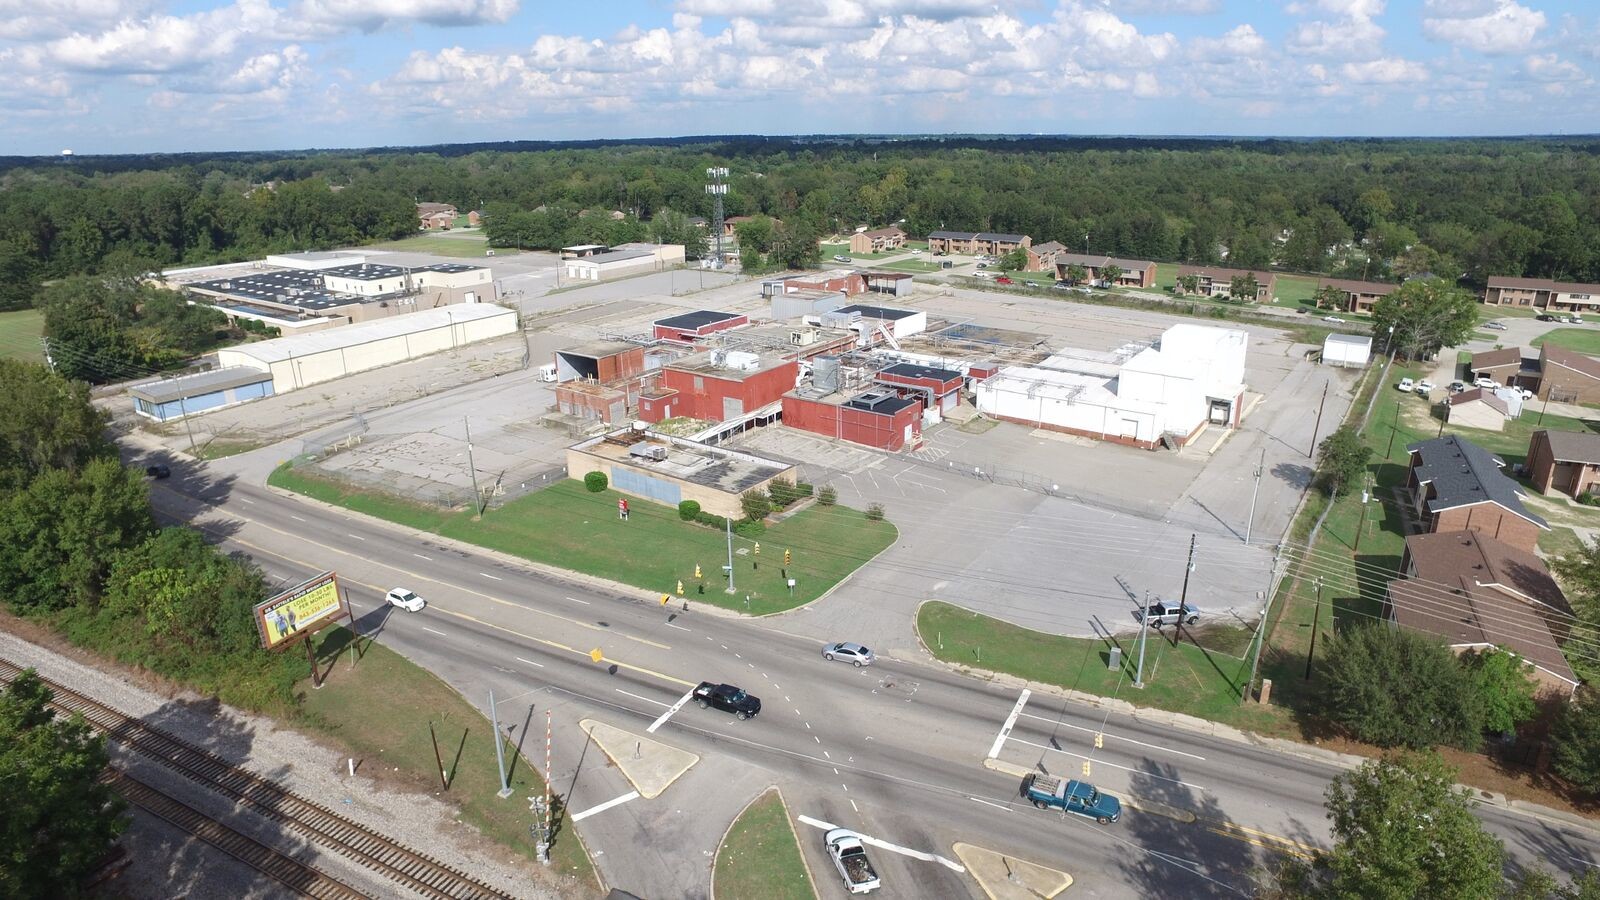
{"x":1000,"y":765}
{"x":1160,"y":809}
{"x":1005,"y":877}
{"x":649,"y":765}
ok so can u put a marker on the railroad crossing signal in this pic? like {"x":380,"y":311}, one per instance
{"x":1086,"y":767}
{"x":787,"y":557}
{"x":697,"y":570}
{"x":1099,"y":740}
{"x":680,"y":588}
{"x":597,"y":654}
{"x":758,"y":548}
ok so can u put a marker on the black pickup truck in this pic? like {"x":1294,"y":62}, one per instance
{"x":727,"y":698}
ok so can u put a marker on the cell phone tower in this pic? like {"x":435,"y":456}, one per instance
{"x":718,"y":188}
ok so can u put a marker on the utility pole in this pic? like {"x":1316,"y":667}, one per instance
{"x":183,"y":411}
{"x":1317,"y":427}
{"x":1250,"y":524}
{"x":1394,"y":428}
{"x":1312,"y":652}
{"x":1183,"y":597}
{"x":499,"y":751}
{"x":1543,"y":408}
{"x":729,"y":524}
{"x":1261,"y":627}
{"x":477,"y":498}
{"x":1444,"y":417}
{"x":1144,"y":625}
{"x":1365,"y":495}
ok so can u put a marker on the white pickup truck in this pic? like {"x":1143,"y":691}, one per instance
{"x":850,"y":858}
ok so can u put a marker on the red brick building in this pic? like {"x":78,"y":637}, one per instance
{"x":1357,"y":296}
{"x":600,"y":380}
{"x":1458,"y":486}
{"x":686,"y":327}
{"x":878,"y":240}
{"x":934,"y":388}
{"x":1565,"y":461}
{"x":849,"y":281}
{"x":875,"y":418}
{"x":718,"y":386}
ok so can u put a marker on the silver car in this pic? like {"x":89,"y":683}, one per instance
{"x":844,"y":651}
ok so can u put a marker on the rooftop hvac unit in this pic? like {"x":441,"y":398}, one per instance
{"x":647,"y":450}
{"x":743,"y":360}
{"x":838,"y":319}
{"x":804,"y":337}
{"x":825,"y":373}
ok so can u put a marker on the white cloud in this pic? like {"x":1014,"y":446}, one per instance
{"x":31,"y":19}
{"x":1167,"y":7}
{"x":370,"y":15}
{"x":1503,"y":26}
{"x":1389,"y":70}
{"x":164,"y":43}
{"x":1551,"y":67}
{"x":1351,"y":34}
{"x":1242,"y":41}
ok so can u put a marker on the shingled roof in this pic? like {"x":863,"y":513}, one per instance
{"x":1462,"y":474}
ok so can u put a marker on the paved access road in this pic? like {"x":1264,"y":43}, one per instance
{"x":895,"y":751}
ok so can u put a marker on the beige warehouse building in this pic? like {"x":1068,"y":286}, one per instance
{"x":307,"y":359}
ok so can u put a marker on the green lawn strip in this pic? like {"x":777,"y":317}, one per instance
{"x":1186,"y":678}
{"x":760,"y":857}
{"x":1583,"y":340}
{"x":1296,"y":290}
{"x":568,"y":527}
{"x":442,"y":246}
{"x":909,"y":265}
{"x":19,"y":335}
{"x":829,"y":251}
{"x":380,"y":709}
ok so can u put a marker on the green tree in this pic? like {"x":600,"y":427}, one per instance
{"x":1014,"y":261}
{"x":672,"y":227}
{"x":1504,"y":685}
{"x":595,"y":482}
{"x":1109,"y":274}
{"x":1076,"y":274}
{"x":1244,"y":288}
{"x":1576,"y":744}
{"x":1403,"y":830}
{"x":1427,"y":315}
{"x":1399,"y":688}
{"x":46,"y":421}
{"x":795,"y":246}
{"x":1189,"y":284}
{"x":189,"y":598}
{"x":756,"y":505}
{"x":1342,"y":458}
{"x":60,"y":819}
{"x":1329,"y":297}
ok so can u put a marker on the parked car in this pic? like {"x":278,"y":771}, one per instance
{"x":846,"y":651}
{"x":983,"y":265}
{"x":1167,"y":612}
{"x":1577,"y":319}
{"x":1424,"y":387}
{"x":1457,"y":387}
{"x":159,"y":470}
{"x":1063,"y":285}
{"x":838,"y":257}
{"x":850,"y":858}
{"x":1077,"y":797}
{"x":406,"y":600}
{"x":1406,"y":385}
{"x":1333,"y":319}
{"x":1527,"y":394}
{"x":727,"y":698}
{"x":1495,"y":326}
{"x":1004,"y":280}
{"x":1483,"y":381}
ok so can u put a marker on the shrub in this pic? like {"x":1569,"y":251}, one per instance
{"x":1576,"y":744}
{"x":595,"y":482}
{"x":715,"y":521}
{"x":805,"y":489}
{"x":750,"y":529}
{"x":875,"y":512}
{"x":1423,"y":698}
{"x":756,"y":505}
{"x":782,"y":492}
{"x":827,"y":496}
{"x":688,"y":510}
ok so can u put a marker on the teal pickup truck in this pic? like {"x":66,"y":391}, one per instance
{"x":1076,"y":797}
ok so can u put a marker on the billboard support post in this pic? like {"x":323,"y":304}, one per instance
{"x":311,"y":657}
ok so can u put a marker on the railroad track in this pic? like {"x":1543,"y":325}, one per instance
{"x":313,"y":821}
{"x":290,"y":872}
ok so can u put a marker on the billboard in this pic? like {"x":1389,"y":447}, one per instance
{"x":300,"y":611}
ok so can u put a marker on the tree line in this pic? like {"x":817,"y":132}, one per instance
{"x":1376,"y":209}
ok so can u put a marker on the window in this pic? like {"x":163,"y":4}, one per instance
{"x":699,"y":384}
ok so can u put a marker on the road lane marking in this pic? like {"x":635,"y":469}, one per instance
{"x":296,"y":518}
{"x":356,"y":536}
{"x":645,"y":699}
{"x":1111,"y":736}
{"x":1111,"y":764}
{"x":576,"y":600}
{"x":529,"y":662}
{"x":1011,"y":722}
{"x":990,"y":803}
{"x":440,"y":633}
{"x":247,"y":500}
{"x":631,"y":795}
{"x":670,"y":710}
{"x":1263,"y":844}
{"x":885,"y":845}
{"x":681,"y":628}
{"x":854,"y":806}
{"x":494,"y":577}
{"x":420,"y":556}
{"x":1264,"y":834}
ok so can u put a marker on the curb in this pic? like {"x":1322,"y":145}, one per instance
{"x":787,"y":820}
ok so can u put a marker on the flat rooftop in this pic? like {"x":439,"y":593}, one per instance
{"x":728,"y":471}
{"x":917,"y":370}
{"x":365,"y":271}
{"x":287,"y":287}
{"x":714,"y":363}
{"x":877,"y":312}
{"x":615,"y":256}
{"x":186,"y":386}
{"x":285,"y":348}
{"x":600,"y":349}
{"x":700,"y":318}
{"x":451,"y":268}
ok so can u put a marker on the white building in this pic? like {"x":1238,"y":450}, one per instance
{"x":1346,"y":350}
{"x":628,"y":259}
{"x":1136,"y":395}
{"x":307,"y":359}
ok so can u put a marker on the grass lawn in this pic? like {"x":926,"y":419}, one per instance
{"x":1296,"y":290}
{"x":380,"y":710}
{"x":1187,"y":678}
{"x":19,"y":335}
{"x":760,"y":857}
{"x":566,"y":526}
{"x":830,"y":250}
{"x":439,"y":245}
{"x":914,"y":266}
{"x":1583,"y":340}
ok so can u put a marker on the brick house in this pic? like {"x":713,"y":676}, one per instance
{"x":876,"y":417}
{"x":686,"y":328}
{"x":1458,"y":486}
{"x":436,"y":215}
{"x":1044,"y":255}
{"x":980,"y":242}
{"x":878,"y":240}
{"x":1138,"y":273}
{"x":1541,"y":293}
{"x":1567,"y":376}
{"x":1358,"y":296}
{"x":718,"y":386}
{"x":1478,"y":408}
{"x":1506,"y":365}
{"x":1212,"y":281}
{"x":1565,"y":461}
{"x":728,"y":225}
{"x":1479,"y":593}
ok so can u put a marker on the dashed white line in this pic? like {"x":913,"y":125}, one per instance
{"x":854,"y":807}
{"x":295,"y":517}
{"x":247,"y":500}
{"x":356,"y":536}
{"x":530,"y":662}
{"x":440,"y":633}
{"x":1111,"y":764}
{"x":493,"y":577}
{"x":1113,"y":736}
{"x":645,"y":699}
{"x":576,"y":600}
{"x":631,"y":795}
{"x":420,"y":556}
{"x":817,"y":739}
{"x":827,"y":754}
{"x":846,"y":788}
{"x":670,"y":710}
{"x":680,"y":628}
{"x":990,"y":803}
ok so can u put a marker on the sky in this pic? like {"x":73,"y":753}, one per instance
{"x":135,"y":76}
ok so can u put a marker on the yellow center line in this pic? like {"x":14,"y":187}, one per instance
{"x":560,"y":646}
{"x":420,"y":577}
{"x":1265,"y":845}
{"x":1235,"y":826}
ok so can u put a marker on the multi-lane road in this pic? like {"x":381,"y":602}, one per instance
{"x":897,"y":751}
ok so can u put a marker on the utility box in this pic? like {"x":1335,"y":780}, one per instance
{"x":1114,"y":658}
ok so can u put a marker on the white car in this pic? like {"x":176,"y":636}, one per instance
{"x":846,"y":651}
{"x":1406,"y":385}
{"x":406,"y":600}
{"x":1333,"y":319}
{"x":1424,"y":387}
{"x":1484,"y":382}
{"x":841,"y":258}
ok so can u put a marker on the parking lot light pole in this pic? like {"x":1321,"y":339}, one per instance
{"x":1144,"y":625}
{"x":1249,"y":525}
